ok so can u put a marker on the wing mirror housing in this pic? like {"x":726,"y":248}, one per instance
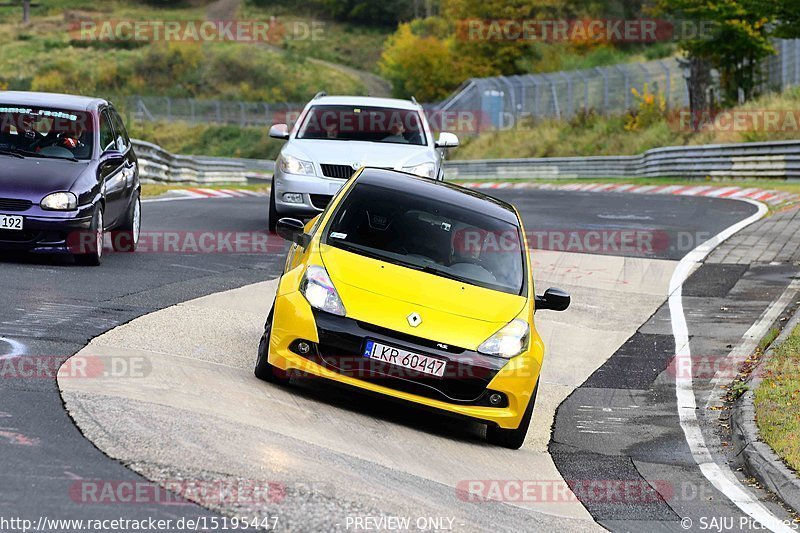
{"x":447,"y":140}
{"x":553,"y":299}
{"x":293,"y":230}
{"x":279,"y":131}
{"x":112,"y":157}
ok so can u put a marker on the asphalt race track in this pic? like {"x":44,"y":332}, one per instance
{"x":53,"y":309}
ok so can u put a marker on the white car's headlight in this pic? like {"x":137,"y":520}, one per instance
{"x":60,"y":201}
{"x":318,"y":289}
{"x":425,"y":170}
{"x":292,"y":165}
{"x":510,"y":341}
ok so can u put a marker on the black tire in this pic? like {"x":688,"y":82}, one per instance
{"x":126,"y":237}
{"x":272,"y":218}
{"x":264,"y":370}
{"x":513,"y":438}
{"x":94,"y":255}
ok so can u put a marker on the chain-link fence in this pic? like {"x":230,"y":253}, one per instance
{"x":502,"y":101}
{"x":498,"y":102}
{"x":783,"y":69}
{"x":166,"y":109}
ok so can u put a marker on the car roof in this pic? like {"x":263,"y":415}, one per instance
{"x":366,"y":101}
{"x":59,"y":101}
{"x":441,"y":191}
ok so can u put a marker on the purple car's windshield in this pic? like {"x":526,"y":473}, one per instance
{"x":46,"y":132}
{"x":360,"y":123}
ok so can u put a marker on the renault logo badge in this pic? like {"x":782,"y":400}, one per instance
{"x":414,"y":320}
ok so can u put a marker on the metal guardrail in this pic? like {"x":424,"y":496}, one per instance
{"x":778,"y":160}
{"x":156,"y":164}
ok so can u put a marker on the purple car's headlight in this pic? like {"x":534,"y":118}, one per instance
{"x":60,"y":201}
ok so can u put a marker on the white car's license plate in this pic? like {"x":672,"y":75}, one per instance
{"x":10,"y":222}
{"x":405,"y":359}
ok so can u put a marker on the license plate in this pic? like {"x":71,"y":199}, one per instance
{"x":10,"y":222}
{"x":405,"y":359}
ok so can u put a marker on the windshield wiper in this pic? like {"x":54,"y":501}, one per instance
{"x":22,"y":154}
{"x":445,"y":274}
{"x":12,"y":153}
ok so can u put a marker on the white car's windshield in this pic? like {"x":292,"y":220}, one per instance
{"x":360,"y":123}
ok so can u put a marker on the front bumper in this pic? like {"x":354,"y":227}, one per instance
{"x":50,"y":233}
{"x":337,"y":343}
{"x":317,"y":192}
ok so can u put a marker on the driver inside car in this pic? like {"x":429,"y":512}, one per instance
{"x":26,"y":136}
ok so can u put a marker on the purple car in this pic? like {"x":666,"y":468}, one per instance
{"x":68,"y":176}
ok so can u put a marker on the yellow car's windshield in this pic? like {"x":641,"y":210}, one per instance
{"x":426,"y":234}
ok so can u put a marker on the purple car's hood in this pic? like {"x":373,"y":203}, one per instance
{"x":33,"y":179}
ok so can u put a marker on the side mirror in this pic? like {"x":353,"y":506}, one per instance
{"x":279,"y":131}
{"x":292,"y":230}
{"x":553,"y":300}
{"x":112,"y":157}
{"x":447,"y":140}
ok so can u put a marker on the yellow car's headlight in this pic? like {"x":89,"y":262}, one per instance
{"x":318,"y":289}
{"x":510,"y":341}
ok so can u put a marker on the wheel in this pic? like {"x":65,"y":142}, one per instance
{"x":513,"y":438}
{"x":126,"y":239}
{"x":93,"y":255}
{"x":264,"y":370}
{"x":273,"y":213}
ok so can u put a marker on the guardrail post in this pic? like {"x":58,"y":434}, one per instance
{"x":797,"y":61}
{"x":627,"y":80}
{"x":219,"y":112}
{"x":570,"y":99}
{"x":604,"y":74}
{"x":585,"y":82}
{"x":169,"y":108}
{"x":784,"y":55}
{"x":667,"y":81}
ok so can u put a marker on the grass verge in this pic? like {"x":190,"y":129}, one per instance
{"x":777,"y":401}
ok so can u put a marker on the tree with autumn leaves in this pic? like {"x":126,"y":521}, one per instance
{"x":431,"y":57}
{"x":736,"y":39}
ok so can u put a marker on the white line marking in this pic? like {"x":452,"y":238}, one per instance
{"x":750,"y":341}
{"x":684,"y":390}
{"x":17,"y":348}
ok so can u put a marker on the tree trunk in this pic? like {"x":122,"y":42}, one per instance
{"x":26,"y":11}
{"x":699,"y":86}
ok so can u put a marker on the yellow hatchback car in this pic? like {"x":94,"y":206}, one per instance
{"x":413,"y":289}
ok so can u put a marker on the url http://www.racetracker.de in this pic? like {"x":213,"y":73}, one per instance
{"x":201,"y":523}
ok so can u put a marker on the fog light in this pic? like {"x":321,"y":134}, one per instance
{"x":293,"y":198}
{"x":303,"y":348}
{"x":495,"y":399}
